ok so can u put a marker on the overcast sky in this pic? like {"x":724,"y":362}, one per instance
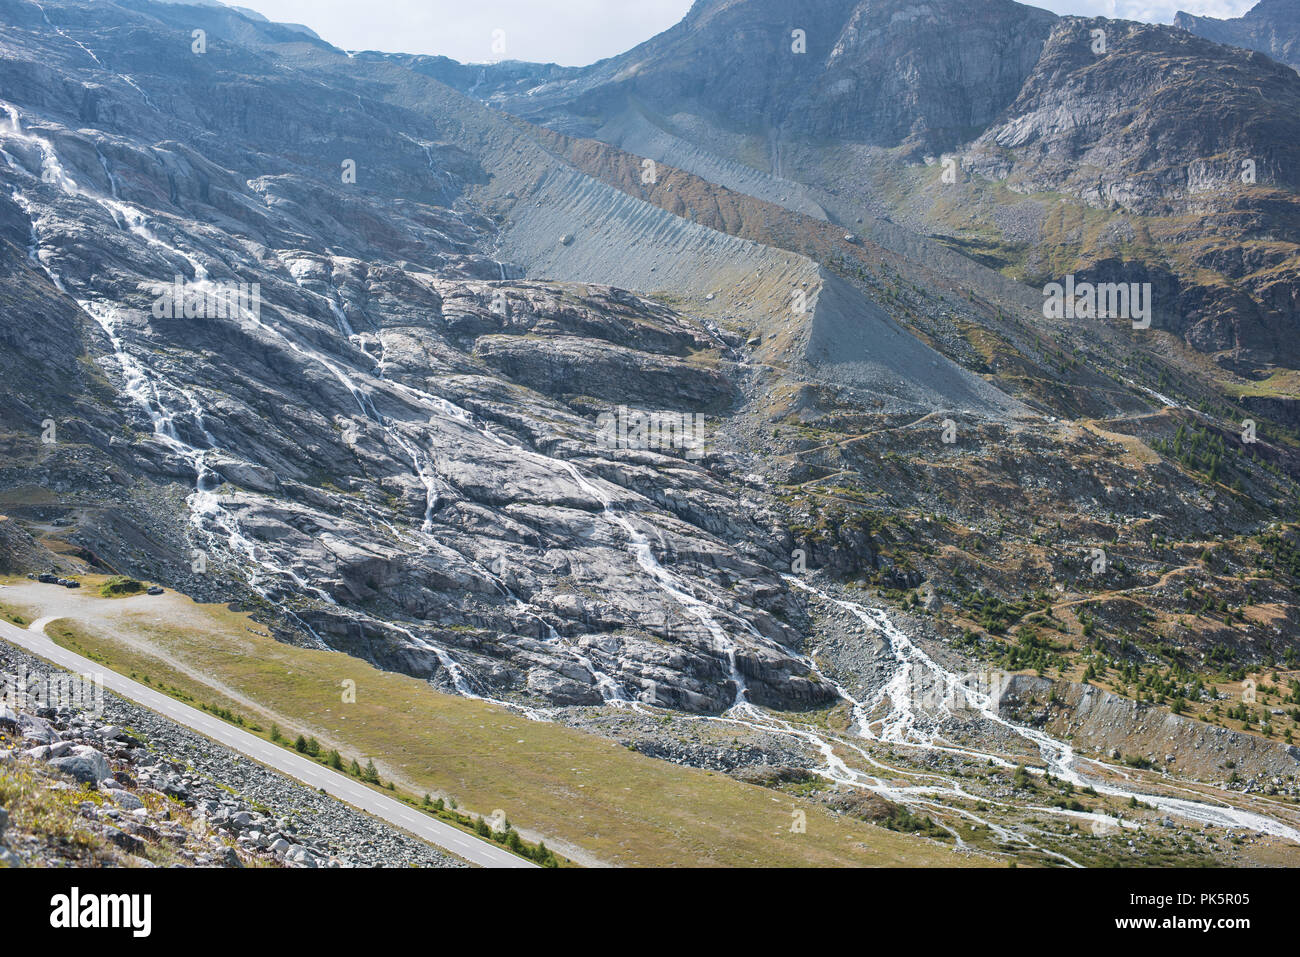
{"x":576,"y":32}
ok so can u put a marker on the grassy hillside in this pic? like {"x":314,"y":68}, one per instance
{"x":581,"y":793}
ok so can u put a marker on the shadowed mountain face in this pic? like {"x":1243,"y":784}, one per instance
{"x":1271,"y":26}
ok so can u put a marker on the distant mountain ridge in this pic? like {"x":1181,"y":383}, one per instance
{"x":1271,"y":26}
{"x":1140,"y":121}
{"x":886,"y":72}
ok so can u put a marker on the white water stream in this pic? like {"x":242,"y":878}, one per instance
{"x":903,"y":724}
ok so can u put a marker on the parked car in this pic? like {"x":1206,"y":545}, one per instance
{"x":48,"y":579}
{"x":155,"y":590}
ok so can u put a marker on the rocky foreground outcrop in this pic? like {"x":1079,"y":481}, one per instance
{"x":124,"y":787}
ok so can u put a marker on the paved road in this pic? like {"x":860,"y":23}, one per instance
{"x":467,"y":846}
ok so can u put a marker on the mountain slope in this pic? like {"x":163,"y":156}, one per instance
{"x":408,"y":418}
{"x":1176,"y":150}
{"x":350,"y":449}
{"x":883,"y":73}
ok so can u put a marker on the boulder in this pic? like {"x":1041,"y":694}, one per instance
{"x":126,"y":842}
{"x":85,"y":764}
{"x":8,"y":719}
{"x":36,"y":729}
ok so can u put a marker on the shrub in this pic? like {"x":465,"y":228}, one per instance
{"x":118,"y":586}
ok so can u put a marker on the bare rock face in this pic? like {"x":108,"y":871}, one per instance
{"x":885,"y":73}
{"x":1166,"y":124}
{"x":590,"y":367}
{"x":337,"y":393}
{"x":329,"y":392}
{"x":1107,"y":723}
{"x":1161,"y":136}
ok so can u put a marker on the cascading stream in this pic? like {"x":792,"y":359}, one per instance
{"x":142,"y":389}
{"x":609,"y":689}
{"x":91,"y":53}
{"x":902,"y":726}
{"x":144,"y":392}
{"x":641,"y":550}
